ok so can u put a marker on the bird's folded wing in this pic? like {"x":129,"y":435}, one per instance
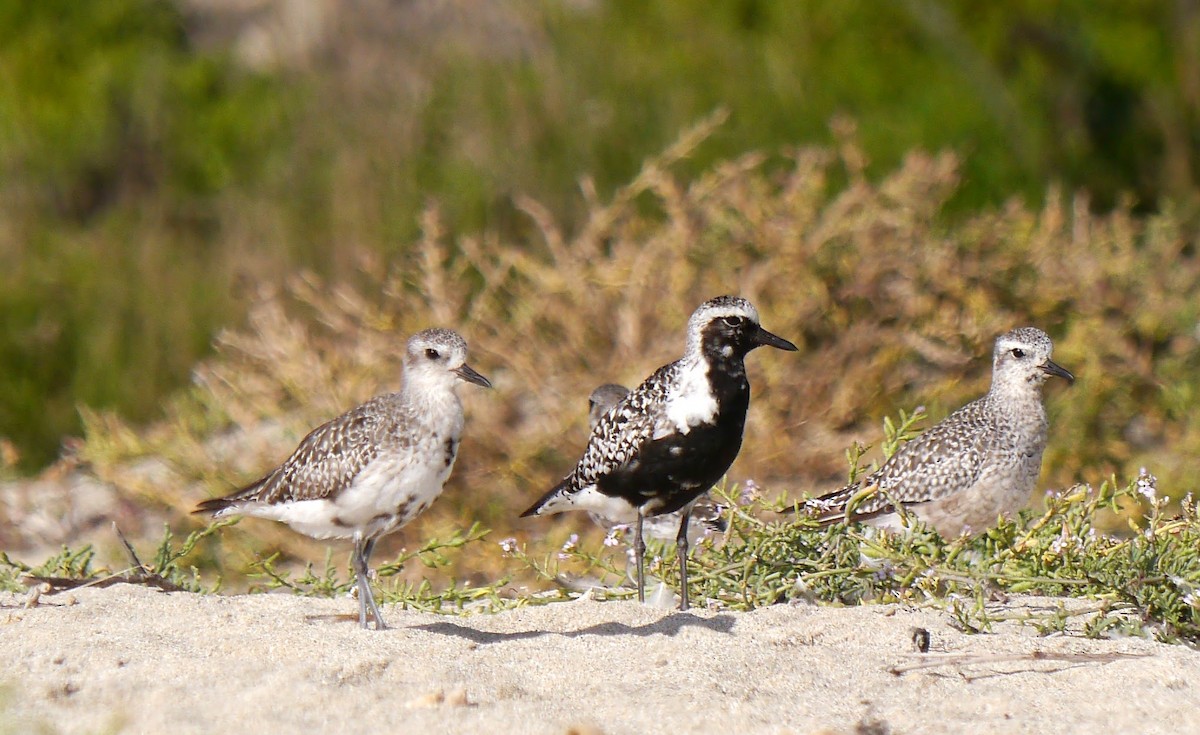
{"x":621,"y":434}
{"x":947,"y":458}
{"x":326,"y":462}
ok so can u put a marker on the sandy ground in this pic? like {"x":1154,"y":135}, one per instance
{"x":130,"y":659}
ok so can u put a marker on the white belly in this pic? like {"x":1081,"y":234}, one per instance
{"x":387,"y":494}
{"x":591,"y":499}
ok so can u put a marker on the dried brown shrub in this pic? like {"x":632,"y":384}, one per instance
{"x":893,"y":305}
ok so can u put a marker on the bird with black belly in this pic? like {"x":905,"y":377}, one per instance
{"x":706,"y":516}
{"x":671,"y":439}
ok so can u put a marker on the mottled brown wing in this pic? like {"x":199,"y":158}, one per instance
{"x":620,"y":434}
{"x":945,"y":459}
{"x":323,"y":465}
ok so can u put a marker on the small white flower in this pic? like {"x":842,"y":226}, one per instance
{"x":614,"y":536}
{"x":1147,"y":484}
{"x":568,"y":546}
{"x":508,"y":545}
{"x":1067,"y":542}
{"x":750,"y":493}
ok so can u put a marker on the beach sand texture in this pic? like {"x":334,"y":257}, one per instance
{"x":132,"y":659}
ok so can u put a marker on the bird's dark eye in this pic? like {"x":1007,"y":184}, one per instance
{"x":1018,"y":352}
{"x":432,"y":354}
{"x":732,"y":321}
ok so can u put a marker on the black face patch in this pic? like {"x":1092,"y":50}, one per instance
{"x":725,"y":345}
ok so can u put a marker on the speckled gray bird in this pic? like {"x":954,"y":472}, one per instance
{"x":373,"y":469}
{"x":979,"y":463}
{"x":707,"y":516}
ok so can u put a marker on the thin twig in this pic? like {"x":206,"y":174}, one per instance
{"x":129,"y":547}
{"x":127,"y":576}
{"x":931,"y":660}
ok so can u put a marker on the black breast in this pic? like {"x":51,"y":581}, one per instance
{"x":668,"y":473}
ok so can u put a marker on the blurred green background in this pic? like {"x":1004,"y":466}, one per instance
{"x":161,"y":160}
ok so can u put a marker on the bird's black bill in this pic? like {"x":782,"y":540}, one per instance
{"x":467,"y":373}
{"x":763,"y":337}
{"x":1052,"y":368}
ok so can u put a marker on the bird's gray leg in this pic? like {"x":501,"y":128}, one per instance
{"x":360,"y":559}
{"x":360,"y":576}
{"x":639,"y":551}
{"x":681,"y":546}
{"x":369,"y":547}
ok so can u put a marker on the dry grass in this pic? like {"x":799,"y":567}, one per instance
{"x":892,"y":306}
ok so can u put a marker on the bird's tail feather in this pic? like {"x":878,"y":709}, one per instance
{"x":214,"y":505}
{"x":550,"y":502}
{"x":847,"y":504}
{"x":232,"y":501}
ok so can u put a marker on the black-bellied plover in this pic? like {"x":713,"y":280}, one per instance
{"x":374,"y":468}
{"x":977,"y":464}
{"x":707,"y":516}
{"x":675,"y":435}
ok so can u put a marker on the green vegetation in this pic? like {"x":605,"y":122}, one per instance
{"x":1145,"y":580}
{"x":447,"y":596}
{"x":118,"y":147}
{"x":893,"y":186}
{"x":165,"y":570}
{"x":153,"y":180}
{"x":1147,"y":583}
{"x":864,"y":276}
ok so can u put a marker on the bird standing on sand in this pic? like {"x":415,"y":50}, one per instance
{"x":707,"y":517}
{"x":977,"y":464}
{"x":674,"y":436}
{"x":374,"y":468}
